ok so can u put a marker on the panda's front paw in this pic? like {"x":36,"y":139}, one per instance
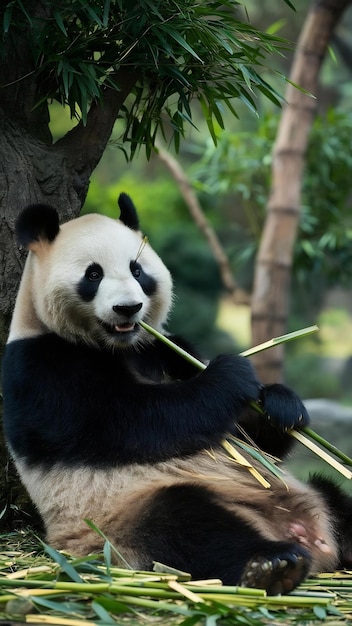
{"x":283,"y":407}
{"x":235,"y":376}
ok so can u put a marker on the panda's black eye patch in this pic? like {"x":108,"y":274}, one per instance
{"x":135,"y":269}
{"x":147,"y":282}
{"x":89,"y":284}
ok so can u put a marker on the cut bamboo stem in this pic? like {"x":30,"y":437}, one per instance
{"x":294,"y":433}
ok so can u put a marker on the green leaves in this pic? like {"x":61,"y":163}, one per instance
{"x":179,"y":51}
{"x":240,"y":165}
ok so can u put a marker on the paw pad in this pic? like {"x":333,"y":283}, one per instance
{"x":276,"y":575}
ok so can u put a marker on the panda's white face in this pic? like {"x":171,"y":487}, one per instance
{"x":96,"y":281}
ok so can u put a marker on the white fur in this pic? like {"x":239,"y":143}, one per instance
{"x":48,"y":298}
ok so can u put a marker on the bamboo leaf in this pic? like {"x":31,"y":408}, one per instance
{"x":106,"y":12}
{"x":290,"y":5}
{"x":60,"y":559}
{"x":241,"y":460}
{"x":320,"y":612}
{"x":177,"y":37}
{"x":60,"y":23}
{"x":102,"y":613}
{"x":261,"y":457}
{"x":67,"y":608}
{"x":7,"y":18}
{"x":101,"y":534}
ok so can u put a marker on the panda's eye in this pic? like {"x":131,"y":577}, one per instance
{"x":146,"y":281}
{"x":94,"y":276}
{"x":135,"y":269}
{"x":94,"y":272}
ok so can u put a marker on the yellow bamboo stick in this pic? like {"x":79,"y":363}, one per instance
{"x":323,"y":455}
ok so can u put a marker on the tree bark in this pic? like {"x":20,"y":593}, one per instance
{"x":34,"y":170}
{"x":270,"y":299}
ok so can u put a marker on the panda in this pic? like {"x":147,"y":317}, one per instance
{"x":105,"y":423}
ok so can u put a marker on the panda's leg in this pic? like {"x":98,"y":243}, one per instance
{"x":183,"y":526}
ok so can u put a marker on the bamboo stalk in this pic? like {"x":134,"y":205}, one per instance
{"x":329,"y":446}
{"x":264,"y":346}
{"x":296,"y":334}
{"x":323,"y":455}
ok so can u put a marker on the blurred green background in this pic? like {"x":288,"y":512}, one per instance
{"x":232,"y":181}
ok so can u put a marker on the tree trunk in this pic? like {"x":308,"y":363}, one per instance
{"x":34,"y":170}
{"x":31,"y":172}
{"x":270,"y":300}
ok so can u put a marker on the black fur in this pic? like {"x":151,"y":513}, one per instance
{"x":147,"y":282}
{"x":340,"y":505}
{"x":56,"y":390}
{"x":35,"y":222}
{"x":271,"y":433}
{"x":128,"y":213}
{"x":52,"y":390}
{"x":88,"y":286}
{"x":185,"y":526}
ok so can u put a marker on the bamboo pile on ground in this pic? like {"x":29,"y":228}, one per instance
{"x":42,"y":586}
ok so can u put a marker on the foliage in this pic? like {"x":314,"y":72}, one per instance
{"x":177,"y":49}
{"x":325,"y":241}
{"x":39,"y":584}
{"x":157,"y":200}
{"x":241,"y":166}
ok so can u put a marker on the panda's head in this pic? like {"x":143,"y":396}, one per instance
{"x":91,"y":280}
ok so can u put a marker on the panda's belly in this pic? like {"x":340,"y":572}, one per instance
{"x":114,"y":498}
{"x":79,"y":492}
{"x":83,"y":492}
{"x":67,"y":496}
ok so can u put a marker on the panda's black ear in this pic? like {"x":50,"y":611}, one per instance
{"x":37,"y":222}
{"x":128,"y":215}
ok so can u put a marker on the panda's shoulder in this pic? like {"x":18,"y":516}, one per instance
{"x":40,"y":348}
{"x":52,"y":354}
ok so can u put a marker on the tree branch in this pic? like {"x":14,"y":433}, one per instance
{"x":201,"y":221}
{"x":84,"y":145}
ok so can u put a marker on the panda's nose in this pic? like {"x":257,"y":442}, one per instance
{"x":127,"y":310}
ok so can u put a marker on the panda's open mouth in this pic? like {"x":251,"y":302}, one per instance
{"x":116,"y":329}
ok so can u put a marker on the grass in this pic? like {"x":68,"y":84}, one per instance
{"x":41,"y":586}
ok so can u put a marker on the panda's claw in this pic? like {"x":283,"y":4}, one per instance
{"x":278,"y":574}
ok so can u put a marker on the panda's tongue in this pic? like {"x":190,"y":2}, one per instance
{"x":124,"y":328}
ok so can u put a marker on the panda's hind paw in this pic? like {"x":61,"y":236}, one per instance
{"x":277,"y":574}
